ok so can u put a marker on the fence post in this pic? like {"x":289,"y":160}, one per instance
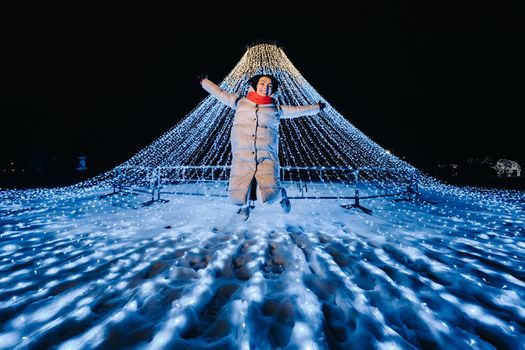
{"x":115,"y":180}
{"x":356,"y":187}
{"x":158,"y":183}
{"x":152,"y":180}
{"x":416,"y":184}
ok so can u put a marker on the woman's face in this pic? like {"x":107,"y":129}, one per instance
{"x":264,"y":86}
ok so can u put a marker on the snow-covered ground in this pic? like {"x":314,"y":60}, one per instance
{"x":107,"y":273}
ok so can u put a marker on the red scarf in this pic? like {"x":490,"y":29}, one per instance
{"x":260,"y":100}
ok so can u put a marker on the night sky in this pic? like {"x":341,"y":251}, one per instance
{"x":432,"y":84}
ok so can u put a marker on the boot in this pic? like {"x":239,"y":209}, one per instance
{"x":244,"y":213}
{"x":285,"y":202}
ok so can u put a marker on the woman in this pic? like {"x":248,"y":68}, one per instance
{"x":255,"y":140}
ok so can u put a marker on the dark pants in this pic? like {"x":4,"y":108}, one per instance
{"x":253,"y":190}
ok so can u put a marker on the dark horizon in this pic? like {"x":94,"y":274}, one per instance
{"x":432,"y":89}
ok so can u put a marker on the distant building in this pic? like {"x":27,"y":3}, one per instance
{"x":81,"y":163}
{"x":12,"y":167}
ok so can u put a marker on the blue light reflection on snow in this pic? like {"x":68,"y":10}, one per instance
{"x":425,"y":275}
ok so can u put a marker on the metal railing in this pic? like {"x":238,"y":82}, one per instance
{"x":150,"y":180}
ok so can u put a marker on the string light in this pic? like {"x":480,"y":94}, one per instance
{"x":324,"y":151}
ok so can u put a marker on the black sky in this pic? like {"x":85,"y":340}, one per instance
{"x":433,"y":84}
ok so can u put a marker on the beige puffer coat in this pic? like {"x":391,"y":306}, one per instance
{"x":255,"y":143}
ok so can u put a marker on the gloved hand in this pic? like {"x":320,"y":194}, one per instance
{"x":201,"y":77}
{"x":322,"y":105}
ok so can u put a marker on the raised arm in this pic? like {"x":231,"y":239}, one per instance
{"x":299,"y":111}
{"x":225,"y":97}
